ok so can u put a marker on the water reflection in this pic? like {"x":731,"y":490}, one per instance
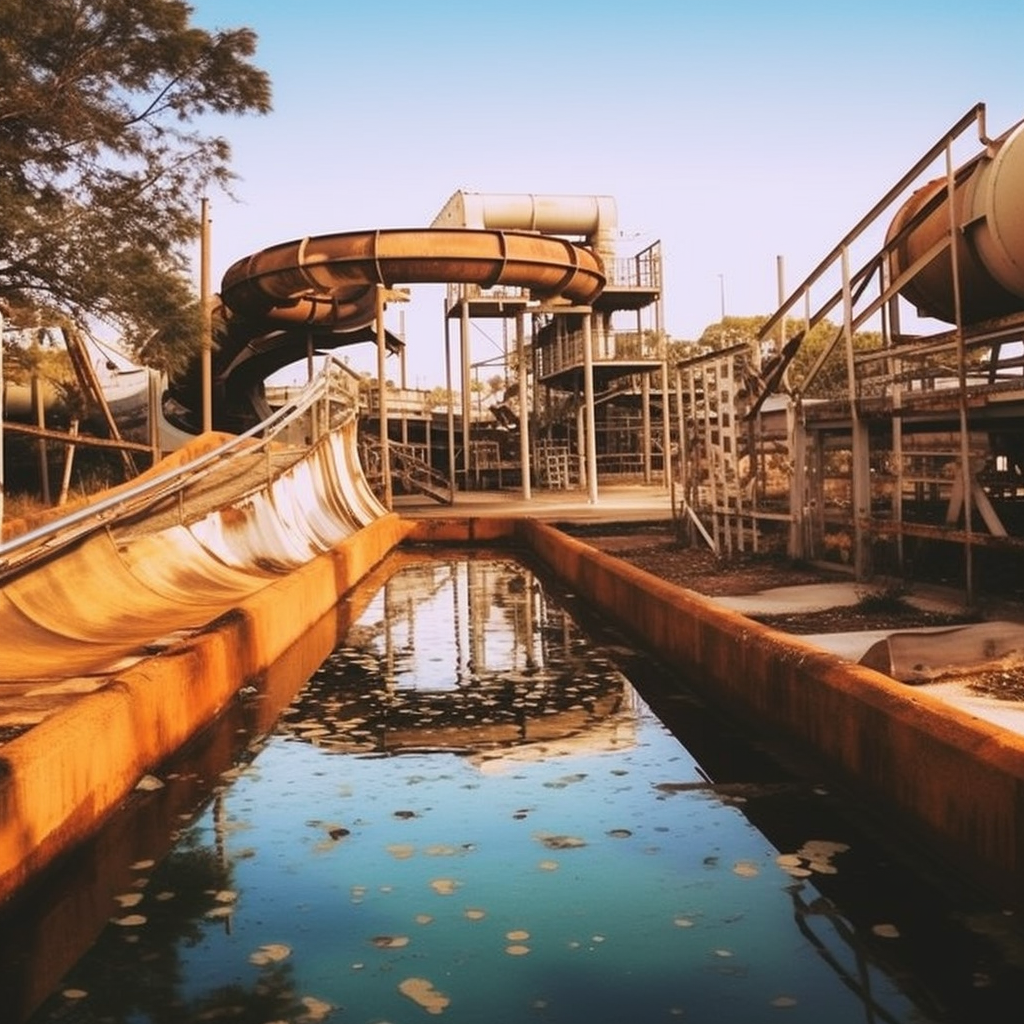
{"x":468,"y":656}
{"x":469,"y":812}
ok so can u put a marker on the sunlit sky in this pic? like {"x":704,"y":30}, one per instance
{"x":735,"y":131}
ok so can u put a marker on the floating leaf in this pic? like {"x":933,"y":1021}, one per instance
{"x":423,"y":993}
{"x":270,"y":953}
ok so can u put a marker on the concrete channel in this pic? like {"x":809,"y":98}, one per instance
{"x":955,"y":781}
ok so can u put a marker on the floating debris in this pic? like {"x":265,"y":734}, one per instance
{"x":885,"y":931}
{"x":517,"y":935}
{"x":390,"y":941}
{"x":561,"y":842}
{"x":782,"y":1002}
{"x":517,"y":950}
{"x":401,"y":851}
{"x":548,"y":865}
{"x":130,"y":921}
{"x":423,"y":918}
{"x":444,"y":886}
{"x":565,"y":780}
{"x":316,"y":1009}
{"x":683,"y":922}
{"x":74,"y":993}
{"x":746,"y":869}
{"x":474,"y":913}
{"x":271,"y":953}
{"x":142,"y":865}
{"x":814,"y":856}
{"x":129,"y":899}
{"x":423,"y":994}
{"x":619,"y":833}
{"x":149,"y":784}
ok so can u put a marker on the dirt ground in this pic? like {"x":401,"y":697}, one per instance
{"x":698,"y":568}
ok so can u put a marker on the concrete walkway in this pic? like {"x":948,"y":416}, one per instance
{"x":615,"y":504}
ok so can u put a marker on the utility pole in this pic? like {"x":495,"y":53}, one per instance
{"x":205,"y":306}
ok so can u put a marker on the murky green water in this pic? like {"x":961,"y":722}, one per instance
{"x":470,"y":813}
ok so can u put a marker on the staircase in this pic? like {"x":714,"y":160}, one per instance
{"x":407,"y":469}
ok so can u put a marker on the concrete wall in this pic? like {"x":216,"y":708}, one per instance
{"x":64,"y":777}
{"x":953,"y":781}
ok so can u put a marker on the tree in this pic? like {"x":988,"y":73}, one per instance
{"x":730,"y":330}
{"x":102,"y":162}
{"x":831,"y":380}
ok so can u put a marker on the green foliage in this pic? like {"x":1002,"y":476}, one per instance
{"x":102,"y":165}
{"x":731,"y":330}
{"x":832,"y":379}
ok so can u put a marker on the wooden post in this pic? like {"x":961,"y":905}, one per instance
{"x":69,"y":459}
{"x":44,"y":465}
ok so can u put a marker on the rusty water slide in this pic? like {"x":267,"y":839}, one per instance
{"x":127,"y":584}
{"x":323,"y":289}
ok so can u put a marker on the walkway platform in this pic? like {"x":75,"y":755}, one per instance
{"x":615,"y":504}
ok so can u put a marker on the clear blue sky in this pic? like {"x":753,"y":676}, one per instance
{"x":735,"y":131}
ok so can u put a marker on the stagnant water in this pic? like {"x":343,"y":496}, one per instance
{"x":471,"y":811}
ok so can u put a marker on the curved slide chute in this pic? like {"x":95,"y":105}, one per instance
{"x":324,"y":288}
{"x":329,"y":280}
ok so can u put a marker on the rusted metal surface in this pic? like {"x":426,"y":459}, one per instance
{"x":987,"y":200}
{"x":331,"y":279}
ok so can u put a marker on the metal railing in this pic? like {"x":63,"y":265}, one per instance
{"x":327,"y":401}
{"x":565,"y":350}
{"x":640,"y":271}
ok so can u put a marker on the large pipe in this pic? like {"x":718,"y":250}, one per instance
{"x":988,"y":209}
{"x":592,"y":217}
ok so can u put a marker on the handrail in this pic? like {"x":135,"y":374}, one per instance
{"x":976,"y":115}
{"x":57,"y":534}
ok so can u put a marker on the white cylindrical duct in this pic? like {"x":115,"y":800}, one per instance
{"x":593,"y":217}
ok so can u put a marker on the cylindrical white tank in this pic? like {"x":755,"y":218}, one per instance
{"x":989,"y":213}
{"x":593,"y":217}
